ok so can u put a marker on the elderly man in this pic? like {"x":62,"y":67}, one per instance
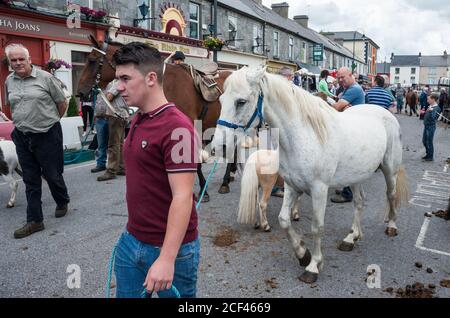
{"x":353,"y":95}
{"x":37,"y":103}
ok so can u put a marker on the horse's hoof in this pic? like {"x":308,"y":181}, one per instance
{"x":267,"y":228}
{"x":9,"y":206}
{"x":346,"y":247}
{"x":256,"y":226}
{"x":224,"y":189}
{"x":391,"y":232}
{"x":205,"y":198}
{"x":308,"y":277}
{"x":306,"y":259}
{"x":296,"y":218}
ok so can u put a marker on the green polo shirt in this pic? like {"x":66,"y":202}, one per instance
{"x":34,"y":100}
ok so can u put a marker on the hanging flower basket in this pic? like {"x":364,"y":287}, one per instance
{"x":55,"y":64}
{"x":213,"y":44}
{"x":93,"y":15}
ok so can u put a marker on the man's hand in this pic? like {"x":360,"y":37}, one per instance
{"x":160,"y":275}
{"x":62,"y":107}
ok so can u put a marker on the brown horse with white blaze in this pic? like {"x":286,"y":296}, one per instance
{"x":178,"y":87}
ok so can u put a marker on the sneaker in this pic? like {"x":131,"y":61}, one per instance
{"x":121,"y":173}
{"x":98,"y":169}
{"x":84,"y":134}
{"x":61,"y":210}
{"x":339,"y":199}
{"x":106,"y":176}
{"x":28,"y":229}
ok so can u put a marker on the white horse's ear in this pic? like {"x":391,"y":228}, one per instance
{"x":255,"y":77}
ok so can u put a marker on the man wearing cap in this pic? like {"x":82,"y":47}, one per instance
{"x":178,"y":57}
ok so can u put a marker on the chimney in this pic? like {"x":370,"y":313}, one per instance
{"x":281,"y":9}
{"x":420,"y":54}
{"x":302,"y":20}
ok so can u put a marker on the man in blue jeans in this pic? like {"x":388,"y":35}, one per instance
{"x":160,"y":246}
{"x":353,"y":95}
{"x":102,"y":128}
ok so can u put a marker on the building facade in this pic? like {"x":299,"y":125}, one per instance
{"x":405,"y":70}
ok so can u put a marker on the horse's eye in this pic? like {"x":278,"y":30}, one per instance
{"x":241,"y":102}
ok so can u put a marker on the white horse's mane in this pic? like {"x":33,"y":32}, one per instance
{"x":297,"y":102}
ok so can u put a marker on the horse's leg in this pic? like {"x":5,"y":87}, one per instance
{"x":391,"y":214}
{"x":267,"y":182}
{"x":233,"y":170}
{"x":296,"y":209}
{"x":302,"y":253}
{"x":225,"y":188}
{"x":355,"y":232}
{"x":13,"y":184}
{"x":202,"y":181}
{"x":319,"y":194}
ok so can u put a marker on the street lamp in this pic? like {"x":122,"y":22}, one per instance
{"x":144,"y":10}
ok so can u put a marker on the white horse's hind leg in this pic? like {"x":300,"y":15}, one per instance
{"x":296,"y":209}
{"x":319,"y":200}
{"x":391,"y":213}
{"x":356,"y":231}
{"x":302,"y":253}
{"x":13,"y":184}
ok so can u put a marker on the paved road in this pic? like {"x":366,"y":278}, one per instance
{"x":258,"y":264}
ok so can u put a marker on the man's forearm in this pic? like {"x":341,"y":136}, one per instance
{"x":62,"y":108}
{"x":177,"y":224}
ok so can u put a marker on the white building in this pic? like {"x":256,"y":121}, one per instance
{"x":405,"y":69}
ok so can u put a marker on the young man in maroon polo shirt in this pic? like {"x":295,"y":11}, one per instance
{"x":160,"y":246}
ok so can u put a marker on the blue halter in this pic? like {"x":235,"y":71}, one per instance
{"x":257,"y":114}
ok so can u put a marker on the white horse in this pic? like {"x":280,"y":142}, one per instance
{"x":320,"y":148}
{"x":260,"y":171}
{"x":8,"y":164}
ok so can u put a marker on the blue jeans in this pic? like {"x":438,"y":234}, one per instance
{"x":399,"y":104}
{"x":101,"y":126}
{"x":427,"y":139}
{"x":134,"y":259}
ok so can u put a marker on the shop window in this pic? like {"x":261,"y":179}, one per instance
{"x":194,"y":20}
{"x":78,"y":62}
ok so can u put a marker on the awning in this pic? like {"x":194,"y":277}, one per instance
{"x":311,"y":68}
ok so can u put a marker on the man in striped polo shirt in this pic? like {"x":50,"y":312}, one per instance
{"x":378,"y":95}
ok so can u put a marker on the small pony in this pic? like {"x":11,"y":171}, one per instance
{"x":8,"y":164}
{"x":260,"y":171}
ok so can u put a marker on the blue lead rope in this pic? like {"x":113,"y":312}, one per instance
{"x":113,"y":254}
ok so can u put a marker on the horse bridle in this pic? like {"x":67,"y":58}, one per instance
{"x":103,"y":53}
{"x":258,"y":113}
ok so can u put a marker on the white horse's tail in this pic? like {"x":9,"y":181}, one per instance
{"x":249,"y":194}
{"x":402,"y":189}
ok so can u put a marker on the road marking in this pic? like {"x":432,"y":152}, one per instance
{"x":68,"y":169}
{"x":438,"y":181}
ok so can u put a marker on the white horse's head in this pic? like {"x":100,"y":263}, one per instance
{"x":239,"y":102}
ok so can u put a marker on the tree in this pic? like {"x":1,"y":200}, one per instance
{"x":73,"y":108}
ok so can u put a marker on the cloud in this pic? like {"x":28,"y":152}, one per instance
{"x":402,"y":27}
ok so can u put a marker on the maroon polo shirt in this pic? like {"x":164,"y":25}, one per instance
{"x":159,"y":142}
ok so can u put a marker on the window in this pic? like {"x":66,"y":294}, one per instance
{"x":413,"y":70}
{"x":146,"y":24}
{"x":232,"y":29}
{"x":397,"y":70}
{"x":413,"y":80}
{"x":303,"y":53}
{"x":397,"y":79}
{"x":194,"y":20}
{"x":276,"y":47}
{"x":432,"y":71}
{"x":431,"y":80}
{"x":291,"y":48}
{"x":257,"y":39}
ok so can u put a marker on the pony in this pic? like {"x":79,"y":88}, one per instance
{"x":412,"y":100}
{"x":9,"y":163}
{"x":260,"y":171}
{"x":320,"y":148}
{"x":178,"y":87}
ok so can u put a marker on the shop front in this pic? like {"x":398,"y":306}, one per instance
{"x":234,"y":60}
{"x":193,"y":49}
{"x":46,"y":36}
{"x":273,"y":66}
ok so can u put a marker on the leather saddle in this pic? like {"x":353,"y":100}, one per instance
{"x":204,"y":81}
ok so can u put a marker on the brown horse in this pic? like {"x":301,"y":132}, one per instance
{"x":412,"y":99}
{"x":178,"y":87}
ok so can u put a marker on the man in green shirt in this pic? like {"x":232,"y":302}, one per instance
{"x":37,"y":104}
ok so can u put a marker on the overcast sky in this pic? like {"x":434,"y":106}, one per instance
{"x":400,"y":26}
